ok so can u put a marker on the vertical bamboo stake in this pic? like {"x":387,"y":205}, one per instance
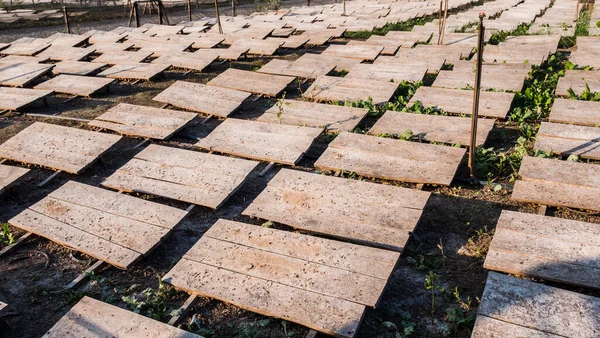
{"x":441,"y":37}
{"x":576,"y":12}
{"x":218,"y":17}
{"x":344,"y":7}
{"x":440,"y":20}
{"x":233,"y":8}
{"x":189,"y":3}
{"x":307,"y":2}
{"x":476,"y":93}
{"x":136,"y":13}
{"x":160,"y":13}
{"x":66,"y":14}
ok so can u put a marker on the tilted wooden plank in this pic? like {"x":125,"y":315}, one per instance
{"x":26,"y":46}
{"x":201,"y":98}
{"x":93,"y":318}
{"x":302,"y":113}
{"x":75,"y":85}
{"x":77,"y":68}
{"x":327,"y":314}
{"x":19,"y":98}
{"x":548,"y":170}
{"x":585,"y":113}
{"x":9,"y":174}
{"x":362,"y":52}
{"x":457,"y":101}
{"x":119,"y":204}
{"x":58,"y":147}
{"x":259,"y":140}
{"x":546,"y":247}
{"x":331,"y":88}
{"x":390,"y":72}
{"x":257,"y":46}
{"x":577,"y":81}
{"x":351,"y":210}
{"x":134,"y":71}
{"x":391,"y":159}
{"x":186,"y":60}
{"x":556,"y":194}
{"x":447,"y":129}
{"x":486,"y":327}
{"x":58,"y":52}
{"x":194,"y":177}
{"x":563,"y":139}
{"x":117,"y":57}
{"x":298,"y":68}
{"x":252,"y":82}
{"x":143,"y":121}
{"x":540,"y":307}
{"x":491,"y":78}
{"x":340,"y":63}
{"x":21,"y":74}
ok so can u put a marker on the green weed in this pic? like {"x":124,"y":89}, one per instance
{"x":6,"y":235}
{"x":432,"y":282}
{"x":406,"y":328}
{"x":586,"y":95}
{"x":153,"y":303}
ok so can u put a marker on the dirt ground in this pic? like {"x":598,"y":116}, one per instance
{"x":450,"y":241}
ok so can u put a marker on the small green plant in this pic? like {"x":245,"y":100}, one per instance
{"x":432,"y":282}
{"x":280,"y":103}
{"x":500,"y":36}
{"x":286,"y":333}
{"x":406,"y":329}
{"x":586,"y":95}
{"x":153,"y":303}
{"x":460,"y":315}
{"x":426,"y":261}
{"x":478,"y":245}
{"x":6,"y":235}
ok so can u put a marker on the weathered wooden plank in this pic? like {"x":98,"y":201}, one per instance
{"x":457,"y":101}
{"x":409,"y":39}
{"x":292,"y":42}
{"x":492,"y":77}
{"x":486,"y":327}
{"x":564,"y":139}
{"x":361,"y":52}
{"x":26,"y":46}
{"x":577,"y":81}
{"x":12,"y":59}
{"x":194,"y":177}
{"x":300,"y":68}
{"x":340,"y":63}
{"x":201,"y":98}
{"x":75,"y":85}
{"x":540,"y":307}
{"x":446,"y":129}
{"x":390,"y":72}
{"x":252,"y":82}
{"x":266,"y":47}
{"x":270,"y":142}
{"x":546,"y":247}
{"x":21,"y":74}
{"x":57,"y":147}
{"x":2,"y":305}
{"x":19,"y":98}
{"x":77,"y":68}
{"x":390,"y":45}
{"x":391,"y":159}
{"x":186,"y":60}
{"x":558,"y":183}
{"x":135,"y":71}
{"x":58,"y":52}
{"x":10,"y":174}
{"x":143,"y":121}
{"x":93,"y":318}
{"x":332,"y":88}
{"x":118,"y":57}
{"x":352,"y":210}
{"x":309,"y":114}
{"x":585,"y":113}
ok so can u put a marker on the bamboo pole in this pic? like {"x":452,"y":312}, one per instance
{"x":476,"y":93}
{"x":66,"y":15}
{"x":218,"y":17}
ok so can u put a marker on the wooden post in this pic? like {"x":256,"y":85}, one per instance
{"x":233,"y":8}
{"x":576,"y":12}
{"x":344,"y":4}
{"x":476,"y":93}
{"x":218,"y":17}
{"x":189,"y":3}
{"x":136,"y":14}
{"x":307,"y":2}
{"x":440,"y":20}
{"x":441,"y":37}
{"x":66,"y":15}
{"x":160,"y":14}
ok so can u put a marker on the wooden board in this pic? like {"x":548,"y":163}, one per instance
{"x":577,"y":81}
{"x":357,"y":211}
{"x":77,"y":68}
{"x":266,"y":47}
{"x":252,"y":82}
{"x":57,"y":147}
{"x":115,"y":228}
{"x":208,"y":41}
{"x":584,"y":113}
{"x":390,"y":72}
{"x":391,"y":159}
{"x":446,"y":129}
{"x":20,"y":98}
{"x":390,"y":45}
{"x":142,"y":121}
{"x":10,"y":174}
{"x":492,"y":77}
{"x":21,"y":74}
{"x":292,"y":42}
{"x":309,"y":114}
{"x":186,"y":60}
{"x":457,"y":101}
{"x":111,"y":48}
{"x":203,"y":99}
{"x":12,"y":59}
{"x":549,"y":248}
{"x":364,"y":52}
{"x":26,"y":46}
{"x":58,"y":52}
{"x":2,"y":305}
{"x":135,"y":71}
{"x":409,"y":39}
{"x":534,"y":310}
{"x":340,"y":63}
{"x":263,"y":141}
{"x":300,"y":68}
{"x":268,"y":267}
{"x":95,"y":319}
{"x":76,"y":85}
{"x":185,"y":175}
{"x":118,"y":57}
{"x":564,"y":139}
{"x":333,"y":88}
{"x":558,"y":183}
